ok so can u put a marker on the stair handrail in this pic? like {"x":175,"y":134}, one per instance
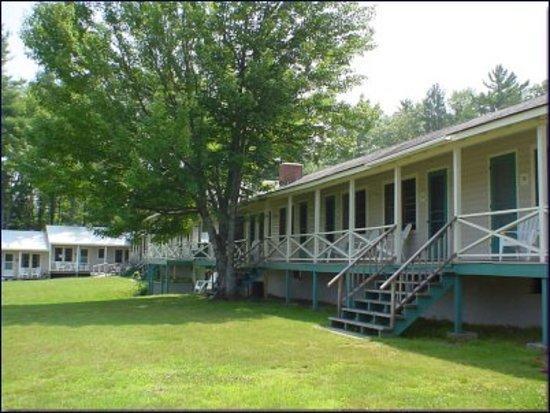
{"x":247,"y":253}
{"x":362,"y":254}
{"x":417,"y":254}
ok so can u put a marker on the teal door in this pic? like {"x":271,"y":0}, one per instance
{"x":437,"y":205}
{"x":503,"y":192}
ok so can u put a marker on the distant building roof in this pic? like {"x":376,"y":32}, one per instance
{"x":23,"y":240}
{"x":72,"y":235}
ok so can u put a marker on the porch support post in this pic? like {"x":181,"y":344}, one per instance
{"x":542,"y":172}
{"x":287,"y":286}
{"x":351,"y":217}
{"x":105,"y":255}
{"x":288,"y":226}
{"x":266,"y":228}
{"x":458,"y":304}
{"x":19,"y":265}
{"x":397,"y":212}
{"x":77,"y":259}
{"x":314,"y":292}
{"x":457,"y":195}
{"x":348,"y":288}
{"x":317,"y":223}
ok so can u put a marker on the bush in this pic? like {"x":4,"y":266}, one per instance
{"x":142,"y":288}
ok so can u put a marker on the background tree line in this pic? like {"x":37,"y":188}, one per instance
{"x":362,"y":128}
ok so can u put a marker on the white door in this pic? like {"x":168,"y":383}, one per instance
{"x":7,"y":264}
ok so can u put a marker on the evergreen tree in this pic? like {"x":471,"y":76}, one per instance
{"x":504,"y":89}
{"x":434,"y":109}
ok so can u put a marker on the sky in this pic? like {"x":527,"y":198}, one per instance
{"x":418,"y":44}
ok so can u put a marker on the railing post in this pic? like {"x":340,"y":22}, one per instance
{"x":542,"y":174}
{"x":392,"y":304}
{"x":397,"y":218}
{"x":339,"y":299}
{"x":351,"y":217}
{"x":457,"y":196}
{"x":288,"y":227}
{"x":317,"y":223}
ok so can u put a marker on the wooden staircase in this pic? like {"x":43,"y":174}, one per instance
{"x":386,"y":303}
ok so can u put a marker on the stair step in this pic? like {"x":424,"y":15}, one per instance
{"x":371,"y":301}
{"x":369,"y":312}
{"x":358,"y":323}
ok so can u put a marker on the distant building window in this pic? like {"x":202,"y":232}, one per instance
{"x":68,"y":254}
{"x":58,"y":254}
{"x":35,"y":260}
{"x":84,"y":256}
{"x":101,"y":253}
{"x":126,"y":255}
{"x":118,"y":256}
{"x":25,"y":260}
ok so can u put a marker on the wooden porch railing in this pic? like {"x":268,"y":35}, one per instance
{"x":366,"y":266}
{"x":521,"y":234}
{"x":427,"y":263}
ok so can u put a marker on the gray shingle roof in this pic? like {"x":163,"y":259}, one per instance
{"x":432,"y":137}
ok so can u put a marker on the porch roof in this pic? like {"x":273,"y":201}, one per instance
{"x":401,"y":149}
{"x":14,"y":240}
{"x":74,"y":235}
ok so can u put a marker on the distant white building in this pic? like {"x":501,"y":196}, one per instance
{"x":60,"y":250}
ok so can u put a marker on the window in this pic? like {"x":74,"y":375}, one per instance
{"x":118,"y":256}
{"x":58,"y":254}
{"x":239,"y":227}
{"x":252,"y":229}
{"x":8,"y":262}
{"x":261,"y":223}
{"x":345,"y":211}
{"x":126,"y":255}
{"x":101,"y":253}
{"x":388,"y":204}
{"x":25,"y":260}
{"x":408,"y":194}
{"x":282,"y":221}
{"x":68,"y":254}
{"x":330,"y":207}
{"x":408,"y":201}
{"x":35,"y":260}
{"x":361,"y":209}
{"x":83,"y":256}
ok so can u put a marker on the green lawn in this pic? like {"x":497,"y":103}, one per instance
{"x":89,"y":343}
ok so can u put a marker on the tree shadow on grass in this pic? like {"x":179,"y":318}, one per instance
{"x":499,"y":349}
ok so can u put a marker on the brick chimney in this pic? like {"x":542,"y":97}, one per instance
{"x":289,"y":172}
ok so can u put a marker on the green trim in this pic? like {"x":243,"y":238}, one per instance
{"x":531,"y":270}
{"x":457,"y":304}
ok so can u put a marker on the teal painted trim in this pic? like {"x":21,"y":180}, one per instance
{"x":334,"y":267}
{"x":287,"y":287}
{"x":458,"y":304}
{"x":204,"y":262}
{"x":531,"y":270}
{"x":544,"y":310}
{"x":314,"y":292}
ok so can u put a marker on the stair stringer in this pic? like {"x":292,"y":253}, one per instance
{"x":421,"y":304}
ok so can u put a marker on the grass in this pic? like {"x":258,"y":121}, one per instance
{"x":90,"y":343}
